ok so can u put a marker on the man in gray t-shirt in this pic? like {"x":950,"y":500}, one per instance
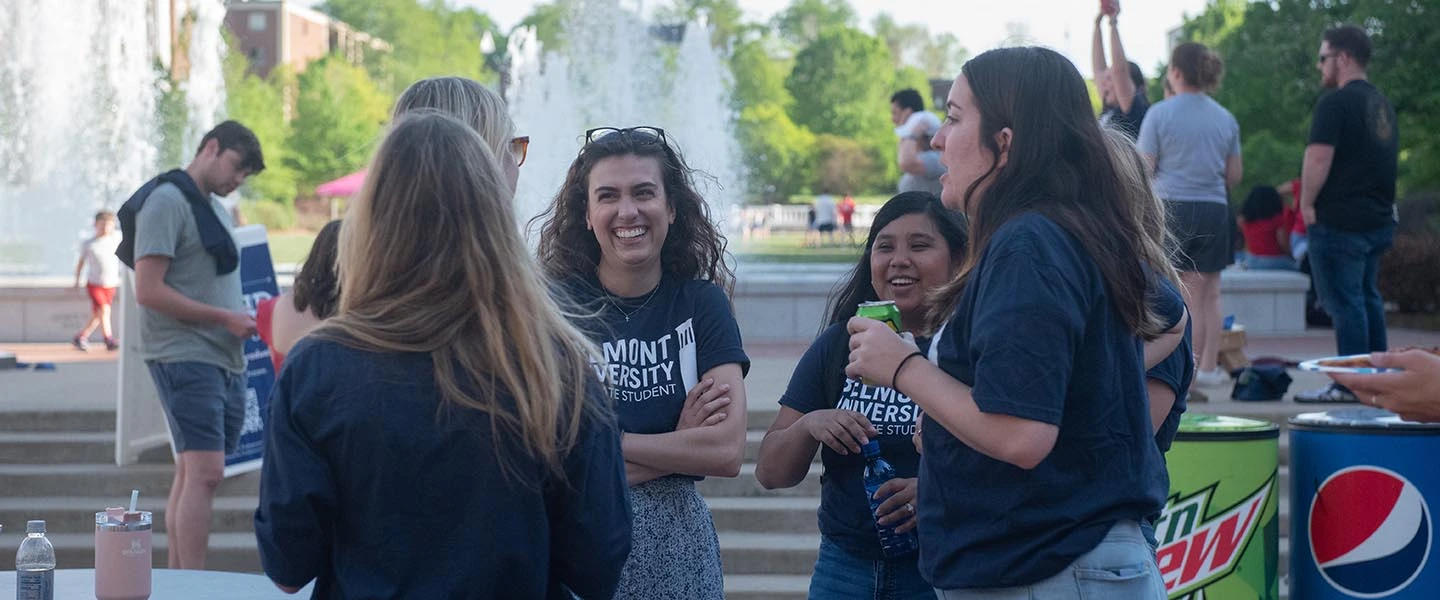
{"x":193,"y":325}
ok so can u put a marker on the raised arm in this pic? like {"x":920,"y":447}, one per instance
{"x":1097,"y":54}
{"x":1119,"y":76}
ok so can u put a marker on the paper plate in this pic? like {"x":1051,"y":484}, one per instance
{"x":1314,"y":365}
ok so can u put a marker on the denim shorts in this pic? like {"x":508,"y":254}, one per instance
{"x":1122,"y":566}
{"x":204,"y":404}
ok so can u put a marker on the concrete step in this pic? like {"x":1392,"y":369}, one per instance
{"x":108,"y":481}
{"x":47,"y":447}
{"x":767,"y":587}
{"x":764,"y":514}
{"x":72,"y":514}
{"x":59,"y":420}
{"x":744,"y":485}
{"x":768,"y":553}
{"x":228,"y":551}
{"x":759,"y":418}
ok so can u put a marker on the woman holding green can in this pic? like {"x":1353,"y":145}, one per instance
{"x":915,"y":245}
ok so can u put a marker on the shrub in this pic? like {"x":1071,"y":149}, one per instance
{"x":1408,"y":274}
{"x":273,"y":215}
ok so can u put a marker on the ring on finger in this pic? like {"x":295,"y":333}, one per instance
{"x":910,"y":508}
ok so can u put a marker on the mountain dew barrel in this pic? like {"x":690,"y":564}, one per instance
{"x":883,"y":311}
{"x":1219,"y":533}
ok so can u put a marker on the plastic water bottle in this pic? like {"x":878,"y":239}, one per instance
{"x":35,"y":565}
{"x":877,"y":472}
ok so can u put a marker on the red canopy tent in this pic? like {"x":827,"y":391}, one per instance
{"x":343,"y":187}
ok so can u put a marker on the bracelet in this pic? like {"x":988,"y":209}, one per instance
{"x":896,"y":376}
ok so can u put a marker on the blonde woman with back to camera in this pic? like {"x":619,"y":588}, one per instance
{"x":443,"y":436}
{"x":476,"y":106}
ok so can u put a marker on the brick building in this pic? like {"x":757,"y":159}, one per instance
{"x":275,"y":32}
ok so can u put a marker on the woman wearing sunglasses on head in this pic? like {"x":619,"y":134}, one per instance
{"x":475,"y":105}
{"x":630,"y":240}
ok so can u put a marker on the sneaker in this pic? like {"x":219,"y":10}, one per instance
{"x":1333,"y":393}
{"x":80,"y":343}
{"x":111,"y":344}
{"x":1212,"y":378}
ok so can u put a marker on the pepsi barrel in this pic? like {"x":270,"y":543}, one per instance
{"x":1219,"y":534}
{"x":1361,"y":485}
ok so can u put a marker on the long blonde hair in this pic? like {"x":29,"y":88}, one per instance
{"x":465,"y":99}
{"x":1135,"y":182}
{"x":431,"y":261}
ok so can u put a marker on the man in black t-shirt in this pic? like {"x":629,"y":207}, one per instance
{"x":1347,"y":197}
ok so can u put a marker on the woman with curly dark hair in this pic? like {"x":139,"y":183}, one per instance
{"x":630,"y":241}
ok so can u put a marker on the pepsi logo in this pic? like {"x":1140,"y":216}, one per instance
{"x":1370,"y":531}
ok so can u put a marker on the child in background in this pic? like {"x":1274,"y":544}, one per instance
{"x":101,"y":281}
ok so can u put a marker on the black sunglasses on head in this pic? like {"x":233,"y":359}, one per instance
{"x":643,"y":133}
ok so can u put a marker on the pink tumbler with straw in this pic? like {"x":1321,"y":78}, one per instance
{"x":122,"y":554}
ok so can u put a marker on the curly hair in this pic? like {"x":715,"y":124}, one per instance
{"x":694,"y":248}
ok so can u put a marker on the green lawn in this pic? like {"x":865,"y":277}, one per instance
{"x":789,"y":247}
{"x":290,"y":246}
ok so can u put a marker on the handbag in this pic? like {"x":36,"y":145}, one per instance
{"x":1260,"y":382}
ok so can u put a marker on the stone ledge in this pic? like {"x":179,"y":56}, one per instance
{"x":773,"y":302}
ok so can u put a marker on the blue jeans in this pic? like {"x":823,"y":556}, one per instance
{"x":1267,"y":263}
{"x":840,"y":575}
{"x":1121,"y":567}
{"x":1344,"y":265}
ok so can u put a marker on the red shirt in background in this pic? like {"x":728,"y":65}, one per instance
{"x":846,"y":210}
{"x":264,"y":325}
{"x":1260,"y":236}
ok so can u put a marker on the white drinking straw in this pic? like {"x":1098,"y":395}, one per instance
{"x":134,"y":498}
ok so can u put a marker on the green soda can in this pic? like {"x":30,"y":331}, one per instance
{"x":883,"y":311}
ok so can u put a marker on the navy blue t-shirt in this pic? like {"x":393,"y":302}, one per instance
{"x":819,"y":383}
{"x":670,"y":340}
{"x":1037,"y":337}
{"x":374,"y":491}
{"x":1178,"y":368}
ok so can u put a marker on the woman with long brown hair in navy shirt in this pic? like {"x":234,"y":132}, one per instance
{"x":1040,"y":463}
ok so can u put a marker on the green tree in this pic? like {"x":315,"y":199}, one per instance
{"x":779,"y":155}
{"x":842,"y":85}
{"x":548,"y":20}
{"x":426,"y":39}
{"x":339,"y":112}
{"x":804,"y":21}
{"x":844,"y":166}
{"x":759,"y":77}
{"x":942,"y":56}
{"x":905,"y":42}
{"x":260,"y":105}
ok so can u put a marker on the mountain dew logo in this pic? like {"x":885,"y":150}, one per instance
{"x":1195,"y":550}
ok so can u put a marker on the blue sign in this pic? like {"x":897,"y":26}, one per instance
{"x":257,"y":283}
